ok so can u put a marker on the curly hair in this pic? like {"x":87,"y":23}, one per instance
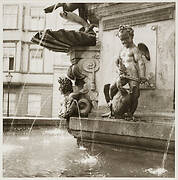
{"x":65,"y":85}
{"x":125,"y":29}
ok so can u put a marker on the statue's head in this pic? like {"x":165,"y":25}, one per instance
{"x":65,"y":85}
{"x":125,"y":34}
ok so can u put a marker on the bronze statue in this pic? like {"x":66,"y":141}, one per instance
{"x":68,"y":14}
{"x":76,"y":103}
{"x":131,"y":69}
{"x":63,"y":40}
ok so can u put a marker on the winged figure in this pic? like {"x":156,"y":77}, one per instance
{"x":131,"y":69}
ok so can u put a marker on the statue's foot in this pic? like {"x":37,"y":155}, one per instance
{"x":119,"y":117}
{"x":135,"y":119}
{"x":128,"y":118}
{"x":131,"y":118}
{"x":111,"y":116}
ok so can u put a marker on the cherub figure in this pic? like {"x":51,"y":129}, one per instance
{"x":131,"y":69}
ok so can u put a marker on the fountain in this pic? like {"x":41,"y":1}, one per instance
{"x":160,"y":171}
{"x":38,"y":113}
{"x":126,"y":144}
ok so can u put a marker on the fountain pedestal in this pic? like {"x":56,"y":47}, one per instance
{"x":88,"y":63}
{"x":151,"y":131}
{"x":149,"y":27}
{"x":143,"y":135}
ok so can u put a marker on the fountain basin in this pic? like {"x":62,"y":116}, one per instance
{"x":27,"y":121}
{"x":151,"y":135}
{"x":52,"y":152}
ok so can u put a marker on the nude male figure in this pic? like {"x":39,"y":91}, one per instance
{"x":131,"y":68}
{"x":68,"y":14}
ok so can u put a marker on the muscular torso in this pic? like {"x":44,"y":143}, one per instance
{"x":128,"y":61}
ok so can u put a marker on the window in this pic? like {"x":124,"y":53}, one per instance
{"x":37,"y":19}
{"x":36,"y":60}
{"x":9,"y":54}
{"x":10,"y":16}
{"x":12,"y":103}
{"x":34,"y":104}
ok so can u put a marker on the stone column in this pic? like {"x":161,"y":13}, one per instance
{"x":89,"y":65}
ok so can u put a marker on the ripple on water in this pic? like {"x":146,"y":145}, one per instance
{"x":157,"y":171}
{"x":7,"y":148}
{"x":24,"y":138}
{"x":91,"y":160}
{"x":57,"y":132}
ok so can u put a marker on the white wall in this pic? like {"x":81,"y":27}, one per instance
{"x":161,"y":44}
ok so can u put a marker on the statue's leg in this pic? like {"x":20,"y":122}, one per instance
{"x":72,"y":110}
{"x":106,"y":92}
{"x":134,"y":89}
{"x":70,"y":7}
{"x":77,"y":72}
{"x":70,"y":16}
{"x":82,"y":8}
{"x":113,"y":90}
{"x":108,"y":99}
{"x":75,"y":96}
{"x":82,"y":12}
{"x":53,"y":7}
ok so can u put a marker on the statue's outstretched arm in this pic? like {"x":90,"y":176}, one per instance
{"x":69,"y":7}
{"x":53,"y":7}
{"x":72,"y":17}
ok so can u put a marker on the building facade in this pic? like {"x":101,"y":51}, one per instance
{"x":35,"y":70}
{"x":34,"y":89}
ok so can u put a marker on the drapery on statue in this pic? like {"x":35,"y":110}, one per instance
{"x":62,"y":40}
{"x":131,"y":70}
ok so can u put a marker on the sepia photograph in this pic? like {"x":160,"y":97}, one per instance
{"x":88,"y":89}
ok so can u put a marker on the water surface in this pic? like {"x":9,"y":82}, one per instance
{"x":53,"y":152}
